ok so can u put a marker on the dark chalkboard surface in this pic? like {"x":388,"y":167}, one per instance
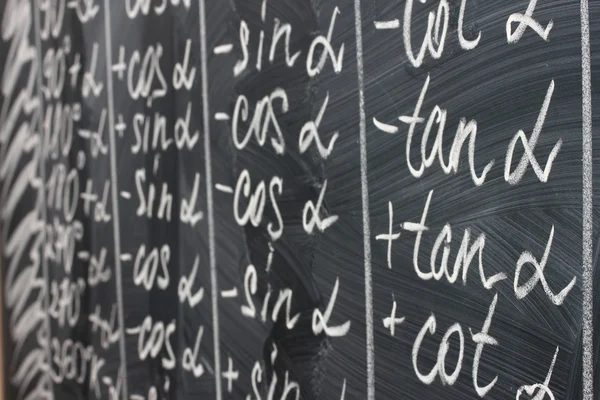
{"x":300,"y":199}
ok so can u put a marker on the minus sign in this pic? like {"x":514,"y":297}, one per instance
{"x":393,"y":24}
{"x":223,"y":188}
{"x":220,"y":116}
{"x":83,"y":255}
{"x":387,"y":128}
{"x":228,"y":294}
{"x":125,"y":195}
{"x":125,"y":257}
{"x":223,"y":49}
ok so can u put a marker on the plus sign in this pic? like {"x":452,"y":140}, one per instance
{"x":391,"y":321}
{"x":389,"y":236}
{"x":74,"y":69}
{"x":270,"y":258}
{"x":88,"y":196}
{"x":121,"y":66}
{"x":120,"y":126}
{"x":230,"y":375}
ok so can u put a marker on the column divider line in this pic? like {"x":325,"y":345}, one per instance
{"x":114,"y":196}
{"x":587,"y":257}
{"x":370,"y":346}
{"x":209,"y":200}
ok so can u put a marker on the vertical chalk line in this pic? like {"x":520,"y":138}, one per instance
{"x":588,"y":289}
{"x":45,"y":271}
{"x":115,"y":192}
{"x":209,"y":201}
{"x":370,"y":346}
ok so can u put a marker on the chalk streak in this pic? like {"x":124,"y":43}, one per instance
{"x":587,"y":273}
{"x":209,"y":201}
{"x":114,"y":191}
{"x":370,"y":347}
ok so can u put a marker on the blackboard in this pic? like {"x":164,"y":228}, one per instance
{"x":300,"y":199}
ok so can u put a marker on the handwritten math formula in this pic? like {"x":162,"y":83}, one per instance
{"x":285,"y":200}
